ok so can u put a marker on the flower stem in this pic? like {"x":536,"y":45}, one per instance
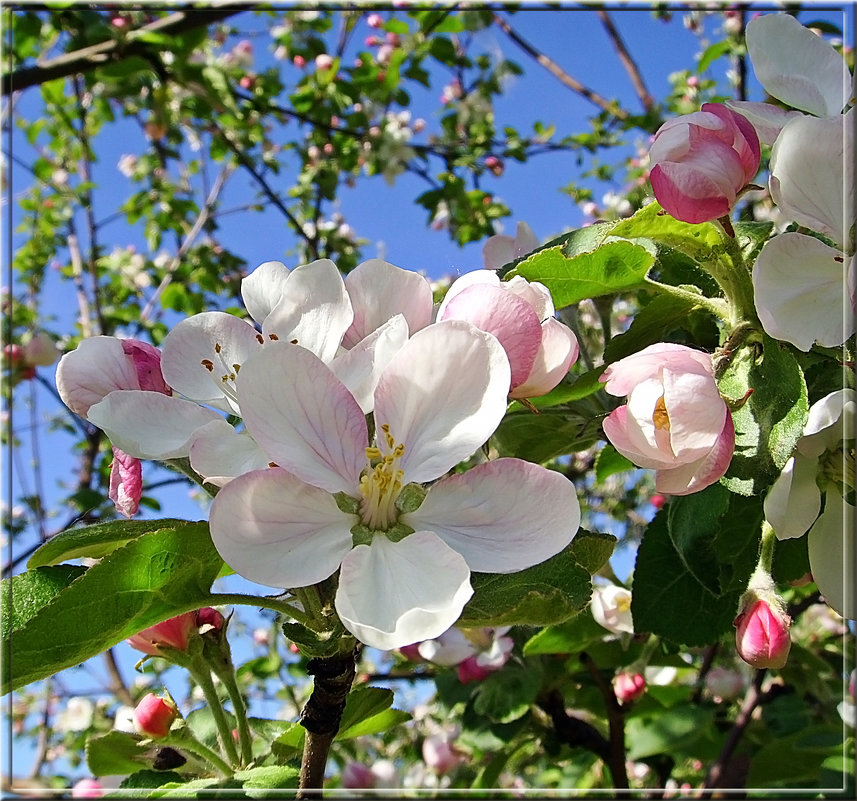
{"x":715,"y":306}
{"x":322,"y":715}
{"x":733,"y":277}
{"x":184,"y":741}
{"x":202,"y":676}
{"x":263,"y":602}
{"x":227,"y":677}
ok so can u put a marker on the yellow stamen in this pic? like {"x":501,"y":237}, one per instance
{"x":660,"y":417}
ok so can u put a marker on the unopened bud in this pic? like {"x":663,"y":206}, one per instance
{"x":628,"y":687}
{"x":173,"y":633}
{"x":762,"y":634}
{"x":154,"y":716}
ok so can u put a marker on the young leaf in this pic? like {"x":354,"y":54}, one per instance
{"x":367,"y":711}
{"x":25,"y":594}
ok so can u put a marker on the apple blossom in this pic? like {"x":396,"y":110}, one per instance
{"x":476,"y":652}
{"x":675,"y":420}
{"x":520,"y":314}
{"x":87,"y":788}
{"x":357,"y":776}
{"x":404,"y":572}
{"x":501,"y":249}
{"x":439,"y":754}
{"x":762,"y":633}
{"x":39,"y":349}
{"x":173,"y":633}
{"x":611,"y":608}
{"x":77,"y":715}
{"x":628,"y":687}
{"x":724,"y":683}
{"x":700,"y":162}
{"x":814,"y":496}
{"x":154,"y":716}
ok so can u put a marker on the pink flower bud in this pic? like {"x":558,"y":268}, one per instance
{"x":628,"y":687}
{"x":494,"y":164}
{"x":357,"y":776}
{"x":87,"y":788}
{"x":210,"y":618}
{"x":439,"y":754}
{"x":412,"y":652}
{"x":470,"y":670}
{"x":126,"y":483}
{"x":675,"y":421}
{"x":299,"y":61}
{"x":762,"y":635}
{"x":323,"y":61}
{"x":154,"y":715}
{"x":246,"y":82}
{"x":375,"y":21}
{"x":657,"y":500}
{"x":40,"y":350}
{"x":173,"y":633}
{"x":701,"y":161}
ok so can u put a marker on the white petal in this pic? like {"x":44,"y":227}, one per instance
{"x":216,"y":339}
{"x":150,"y":425}
{"x":442,"y":395}
{"x":768,"y":120}
{"x":264,"y":288}
{"x":812,"y":178}
{"x":525,"y":240}
{"x":833,"y":555}
{"x":463,"y":282}
{"x":219,"y":453}
{"x":449,"y":648}
{"x":315,"y":309}
{"x":94,"y":369}
{"x":800,"y":292}
{"x":274,"y":529}
{"x":796,"y":66}
{"x":831,"y":420}
{"x":395,"y":594}
{"x":303,"y":417}
{"x":501,"y":516}
{"x":360,"y":368}
{"x":379,"y":291}
{"x":794,"y":501}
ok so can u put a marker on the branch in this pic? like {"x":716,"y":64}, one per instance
{"x":627,"y":61}
{"x":615,"y":758}
{"x":113,"y":50}
{"x":552,"y":67}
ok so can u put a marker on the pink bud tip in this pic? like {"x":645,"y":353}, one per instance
{"x":629,"y":687}
{"x":154,"y":716}
{"x":762,"y":636}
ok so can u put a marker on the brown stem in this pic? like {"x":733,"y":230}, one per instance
{"x":627,"y":61}
{"x":117,"y":684}
{"x":554,"y":69}
{"x":571,"y":730}
{"x":322,"y":715}
{"x":615,"y":758}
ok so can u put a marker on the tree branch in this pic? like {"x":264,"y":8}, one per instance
{"x":113,"y":50}
{"x":615,"y":757}
{"x":627,"y":61}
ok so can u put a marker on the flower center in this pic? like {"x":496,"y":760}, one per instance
{"x":223,"y":373}
{"x":381,"y":484}
{"x":660,"y":417}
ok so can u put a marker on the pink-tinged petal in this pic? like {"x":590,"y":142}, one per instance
{"x":126,"y":483}
{"x":498,"y":251}
{"x":303,"y":417}
{"x":796,"y":66}
{"x":812,"y":175}
{"x":525,"y":239}
{"x":201,"y":350}
{"x":696,"y":413}
{"x":147,"y":362}
{"x":149,"y":425}
{"x":745,"y":140}
{"x":630,"y":441}
{"x":558,"y":351}
{"x":272,"y":528}
{"x":700,"y":474}
{"x":768,"y":120}
{"x":473,"y":278}
{"x":219,"y":453}
{"x":688,"y":194}
{"x":448,"y":649}
{"x":442,"y":395}
{"x":649,"y":437}
{"x":94,"y":369}
{"x":801,"y":292}
{"x":508,"y":317}
{"x":360,"y":368}
{"x":379,"y":291}
{"x":623,"y":375}
{"x":314,"y":312}
{"x":394,"y":594}
{"x":832,"y":548}
{"x":536,"y":294}
{"x":501,"y":516}
{"x":263,"y":289}
{"x":794,"y":501}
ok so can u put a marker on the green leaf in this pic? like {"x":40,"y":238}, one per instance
{"x":550,"y":592}
{"x":506,"y":695}
{"x":117,"y":753}
{"x":154,"y":577}
{"x":608,"y":462}
{"x":148,"y":780}
{"x":794,"y":760}
{"x":367,"y":711}
{"x":666,"y":732}
{"x":751,"y":237}
{"x":615,"y":266}
{"x":570,"y":637}
{"x":592,"y":549}
{"x":712,"y":53}
{"x":541,"y":437}
{"x":24,"y":595}
{"x":256,"y":781}
{"x":769,"y":424}
{"x":98,"y":540}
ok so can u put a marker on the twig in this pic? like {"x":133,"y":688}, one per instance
{"x":89,"y":58}
{"x":616,"y":722}
{"x":627,"y":61}
{"x":572,"y":731}
{"x":77,"y":277}
{"x":554,"y":69}
{"x":117,"y":684}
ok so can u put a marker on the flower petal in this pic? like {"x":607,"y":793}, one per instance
{"x":360,"y":368}
{"x":831,"y":420}
{"x":203,"y":350}
{"x":794,"y":501}
{"x":94,"y":369}
{"x":768,"y":120}
{"x":264,"y":288}
{"x":558,"y":351}
{"x":833,"y":555}
{"x":702,"y":473}
{"x":394,"y":594}
{"x":315,"y":309}
{"x":150,"y":425}
{"x":623,"y":375}
{"x":473,"y":278}
{"x":303,"y":417}
{"x":379,"y":291}
{"x":501,"y":516}
{"x":796,"y":66}
{"x":219,"y":453}
{"x":126,"y":483}
{"x":274,"y":529}
{"x":799,"y":284}
{"x":442,"y":395}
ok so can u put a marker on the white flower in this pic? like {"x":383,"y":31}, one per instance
{"x":611,"y":608}
{"x":77,"y":715}
{"x":123,"y":719}
{"x":404,"y":572}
